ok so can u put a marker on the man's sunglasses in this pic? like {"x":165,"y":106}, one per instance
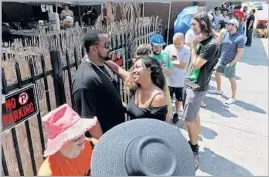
{"x":106,"y":45}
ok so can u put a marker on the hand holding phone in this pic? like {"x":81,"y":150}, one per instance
{"x":174,"y":57}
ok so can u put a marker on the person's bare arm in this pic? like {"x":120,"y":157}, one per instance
{"x":215,"y":33}
{"x":196,"y":61}
{"x":96,"y":131}
{"x":158,"y":101}
{"x":179,"y":64}
{"x":182,"y":62}
{"x":117,"y":69}
{"x":218,"y":35}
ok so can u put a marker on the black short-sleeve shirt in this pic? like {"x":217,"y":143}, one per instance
{"x":95,"y":94}
{"x":208,"y":51}
{"x":251,"y":17}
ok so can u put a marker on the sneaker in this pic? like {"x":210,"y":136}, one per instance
{"x":181,"y":113}
{"x":196,"y":160}
{"x":230,"y":101}
{"x":196,"y":157}
{"x":218,"y":92}
{"x":203,"y":105}
{"x":175,"y":118}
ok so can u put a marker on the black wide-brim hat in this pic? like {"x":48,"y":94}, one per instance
{"x":143,"y":147}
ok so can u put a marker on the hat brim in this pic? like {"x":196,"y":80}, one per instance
{"x":75,"y":131}
{"x":232,"y":24}
{"x":108,"y":155}
{"x":159,"y":44}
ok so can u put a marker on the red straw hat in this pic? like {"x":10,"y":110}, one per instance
{"x":63,"y":125}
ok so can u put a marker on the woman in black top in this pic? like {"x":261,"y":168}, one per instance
{"x":146,"y":86}
{"x":148,"y":83}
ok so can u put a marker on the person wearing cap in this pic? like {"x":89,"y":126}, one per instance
{"x":94,"y":87}
{"x":232,"y":46}
{"x":204,"y":51}
{"x":143,"y":147}
{"x":68,"y":152}
{"x":157,"y":43}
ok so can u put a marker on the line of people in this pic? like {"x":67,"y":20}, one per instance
{"x":146,"y":145}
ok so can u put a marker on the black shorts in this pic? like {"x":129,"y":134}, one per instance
{"x":178,"y":91}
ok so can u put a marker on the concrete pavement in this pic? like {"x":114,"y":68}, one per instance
{"x":234,"y":138}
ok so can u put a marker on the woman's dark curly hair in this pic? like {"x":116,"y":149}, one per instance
{"x":204,"y":22}
{"x":157,"y":75}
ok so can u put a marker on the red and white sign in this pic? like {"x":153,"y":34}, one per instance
{"x":23,"y":98}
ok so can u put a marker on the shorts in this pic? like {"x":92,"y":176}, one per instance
{"x":192,"y":104}
{"x":229,"y":71}
{"x":178,"y":91}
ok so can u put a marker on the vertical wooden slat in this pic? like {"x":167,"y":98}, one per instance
{"x":38,"y":114}
{"x":45,"y":83}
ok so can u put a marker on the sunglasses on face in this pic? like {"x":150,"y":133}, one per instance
{"x":106,"y":45}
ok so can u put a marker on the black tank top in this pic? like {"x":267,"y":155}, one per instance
{"x":136,"y":112}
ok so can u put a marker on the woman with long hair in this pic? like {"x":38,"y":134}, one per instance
{"x":148,"y":99}
{"x":146,"y":86}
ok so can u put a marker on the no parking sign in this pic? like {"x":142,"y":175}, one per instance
{"x":19,"y":106}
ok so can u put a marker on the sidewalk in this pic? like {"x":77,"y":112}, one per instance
{"x":234,"y":139}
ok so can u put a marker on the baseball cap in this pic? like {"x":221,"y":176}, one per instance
{"x":234,"y":22}
{"x":157,"y":40}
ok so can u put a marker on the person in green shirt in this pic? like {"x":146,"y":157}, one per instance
{"x":157,"y":42}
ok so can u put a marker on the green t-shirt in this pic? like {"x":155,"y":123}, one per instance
{"x":164,"y":59}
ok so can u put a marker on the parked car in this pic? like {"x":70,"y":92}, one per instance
{"x":257,"y":5}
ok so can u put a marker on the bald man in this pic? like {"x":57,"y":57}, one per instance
{"x":180,"y":56}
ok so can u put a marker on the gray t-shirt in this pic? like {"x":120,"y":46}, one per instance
{"x":177,"y":77}
{"x":230,"y":44}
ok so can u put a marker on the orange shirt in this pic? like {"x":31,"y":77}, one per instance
{"x":59,"y":165}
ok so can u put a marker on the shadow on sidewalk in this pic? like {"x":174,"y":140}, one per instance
{"x":208,"y":133}
{"x":217,"y":106}
{"x":205,"y":132}
{"x":213,"y":78}
{"x":216,"y":165}
{"x":256,"y":54}
{"x":249,"y":107}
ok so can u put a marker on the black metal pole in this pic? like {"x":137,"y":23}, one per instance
{"x":58,"y":83}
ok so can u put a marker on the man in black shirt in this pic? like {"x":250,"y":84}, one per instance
{"x":249,"y":26}
{"x":204,"y":51}
{"x":94,"y":88}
